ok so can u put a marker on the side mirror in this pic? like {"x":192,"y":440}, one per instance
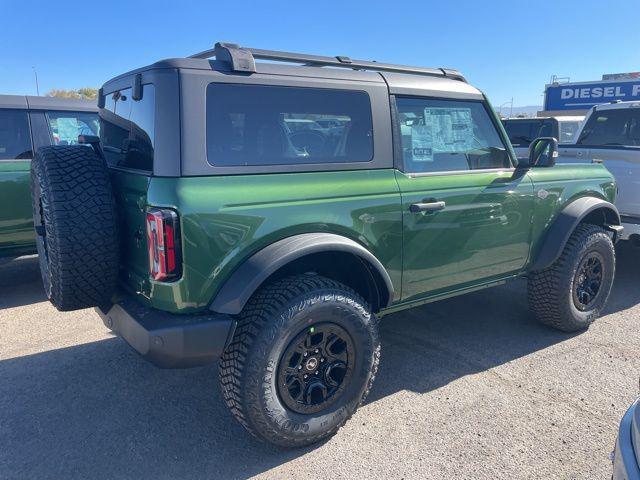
{"x":522,"y":163}
{"x":543,"y":152}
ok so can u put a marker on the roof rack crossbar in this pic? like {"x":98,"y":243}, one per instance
{"x":242,"y":59}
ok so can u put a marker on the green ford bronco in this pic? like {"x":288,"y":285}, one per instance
{"x":26,"y":124}
{"x":268,"y":214}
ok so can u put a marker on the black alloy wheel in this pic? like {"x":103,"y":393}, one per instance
{"x":316,"y":368}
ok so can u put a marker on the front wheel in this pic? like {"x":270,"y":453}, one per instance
{"x":303,"y":358}
{"x":571,"y":293}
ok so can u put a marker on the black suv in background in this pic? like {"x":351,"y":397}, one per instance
{"x":522,"y":131}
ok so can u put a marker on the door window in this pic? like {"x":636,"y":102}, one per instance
{"x":67,"y":126}
{"x":448,"y":135}
{"x":15,"y":140}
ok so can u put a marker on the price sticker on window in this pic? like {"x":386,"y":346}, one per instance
{"x":421,"y":143}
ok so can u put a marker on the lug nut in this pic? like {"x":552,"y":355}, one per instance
{"x":317,"y":372}
{"x":305,"y":375}
{"x":305,"y":354}
{"x":299,"y":367}
{"x":317,"y":350}
{"x":321,"y":360}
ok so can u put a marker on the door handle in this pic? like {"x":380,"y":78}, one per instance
{"x":427,"y":207}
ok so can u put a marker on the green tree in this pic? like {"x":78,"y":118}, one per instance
{"x":85,"y":93}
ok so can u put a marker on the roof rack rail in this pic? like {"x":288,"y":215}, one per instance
{"x":243,"y":60}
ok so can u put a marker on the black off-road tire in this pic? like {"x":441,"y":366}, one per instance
{"x":76,"y":229}
{"x":551,"y":291}
{"x":272,"y":318}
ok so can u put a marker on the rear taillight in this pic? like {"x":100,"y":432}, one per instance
{"x":163,"y":239}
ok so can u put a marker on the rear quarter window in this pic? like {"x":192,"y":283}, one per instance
{"x":15,"y":139}
{"x":259,"y":125}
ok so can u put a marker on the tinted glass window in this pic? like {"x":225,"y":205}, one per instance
{"x":447,"y":135}
{"x":66,"y":126}
{"x":15,"y":141}
{"x":611,"y":127}
{"x":568,"y":131}
{"x":522,"y":132}
{"x":268,"y":125}
{"x":545,"y":130}
{"x":127,"y":129}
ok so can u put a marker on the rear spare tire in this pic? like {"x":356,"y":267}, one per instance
{"x":76,"y":230}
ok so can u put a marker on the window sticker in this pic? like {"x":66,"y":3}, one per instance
{"x":67,"y":130}
{"x":422,"y":143}
{"x":451,"y":129}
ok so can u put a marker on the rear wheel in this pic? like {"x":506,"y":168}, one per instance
{"x":571,"y":293}
{"x":303,"y":357}
{"x":76,"y":231}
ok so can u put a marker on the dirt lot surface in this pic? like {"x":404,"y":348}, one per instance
{"x":469,"y":387}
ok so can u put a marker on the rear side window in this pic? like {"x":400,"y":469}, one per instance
{"x":65,"y":127}
{"x":127,"y":129}
{"x":612,"y":127}
{"x":448,"y":135}
{"x":257,"y":125}
{"x":15,"y":140}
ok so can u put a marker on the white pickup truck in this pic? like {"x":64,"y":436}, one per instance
{"x":610,"y":134}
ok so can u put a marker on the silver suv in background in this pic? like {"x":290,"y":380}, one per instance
{"x":522,"y":131}
{"x":610,"y":134}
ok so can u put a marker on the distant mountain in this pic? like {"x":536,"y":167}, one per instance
{"x":529,"y":111}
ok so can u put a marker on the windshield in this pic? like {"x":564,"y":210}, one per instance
{"x":522,"y":132}
{"x":612,"y":127}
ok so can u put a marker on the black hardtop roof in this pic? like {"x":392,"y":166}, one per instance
{"x":234,"y":59}
{"x":24,"y":102}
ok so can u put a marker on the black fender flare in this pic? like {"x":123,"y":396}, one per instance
{"x":565,"y":223}
{"x":247,"y":278}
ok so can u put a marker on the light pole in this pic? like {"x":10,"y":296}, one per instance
{"x":36,"y":75}
{"x":507,"y":103}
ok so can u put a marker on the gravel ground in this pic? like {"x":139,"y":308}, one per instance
{"x":469,"y":387}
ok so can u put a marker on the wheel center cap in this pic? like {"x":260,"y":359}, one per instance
{"x":311,"y":364}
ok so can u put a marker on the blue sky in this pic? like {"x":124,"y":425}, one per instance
{"x":506,"y":48}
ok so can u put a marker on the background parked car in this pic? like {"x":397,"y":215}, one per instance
{"x":610,"y":134}
{"x":627,"y":453}
{"x":26,"y":124}
{"x":522,"y":131}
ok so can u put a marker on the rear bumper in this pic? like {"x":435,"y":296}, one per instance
{"x":168,"y":340}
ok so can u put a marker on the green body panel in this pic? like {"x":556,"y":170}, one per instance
{"x":16,"y":219}
{"x":491,"y":229}
{"x":226,"y":219}
{"x":482,"y":234}
{"x":558,"y":186}
{"x":131,"y":199}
